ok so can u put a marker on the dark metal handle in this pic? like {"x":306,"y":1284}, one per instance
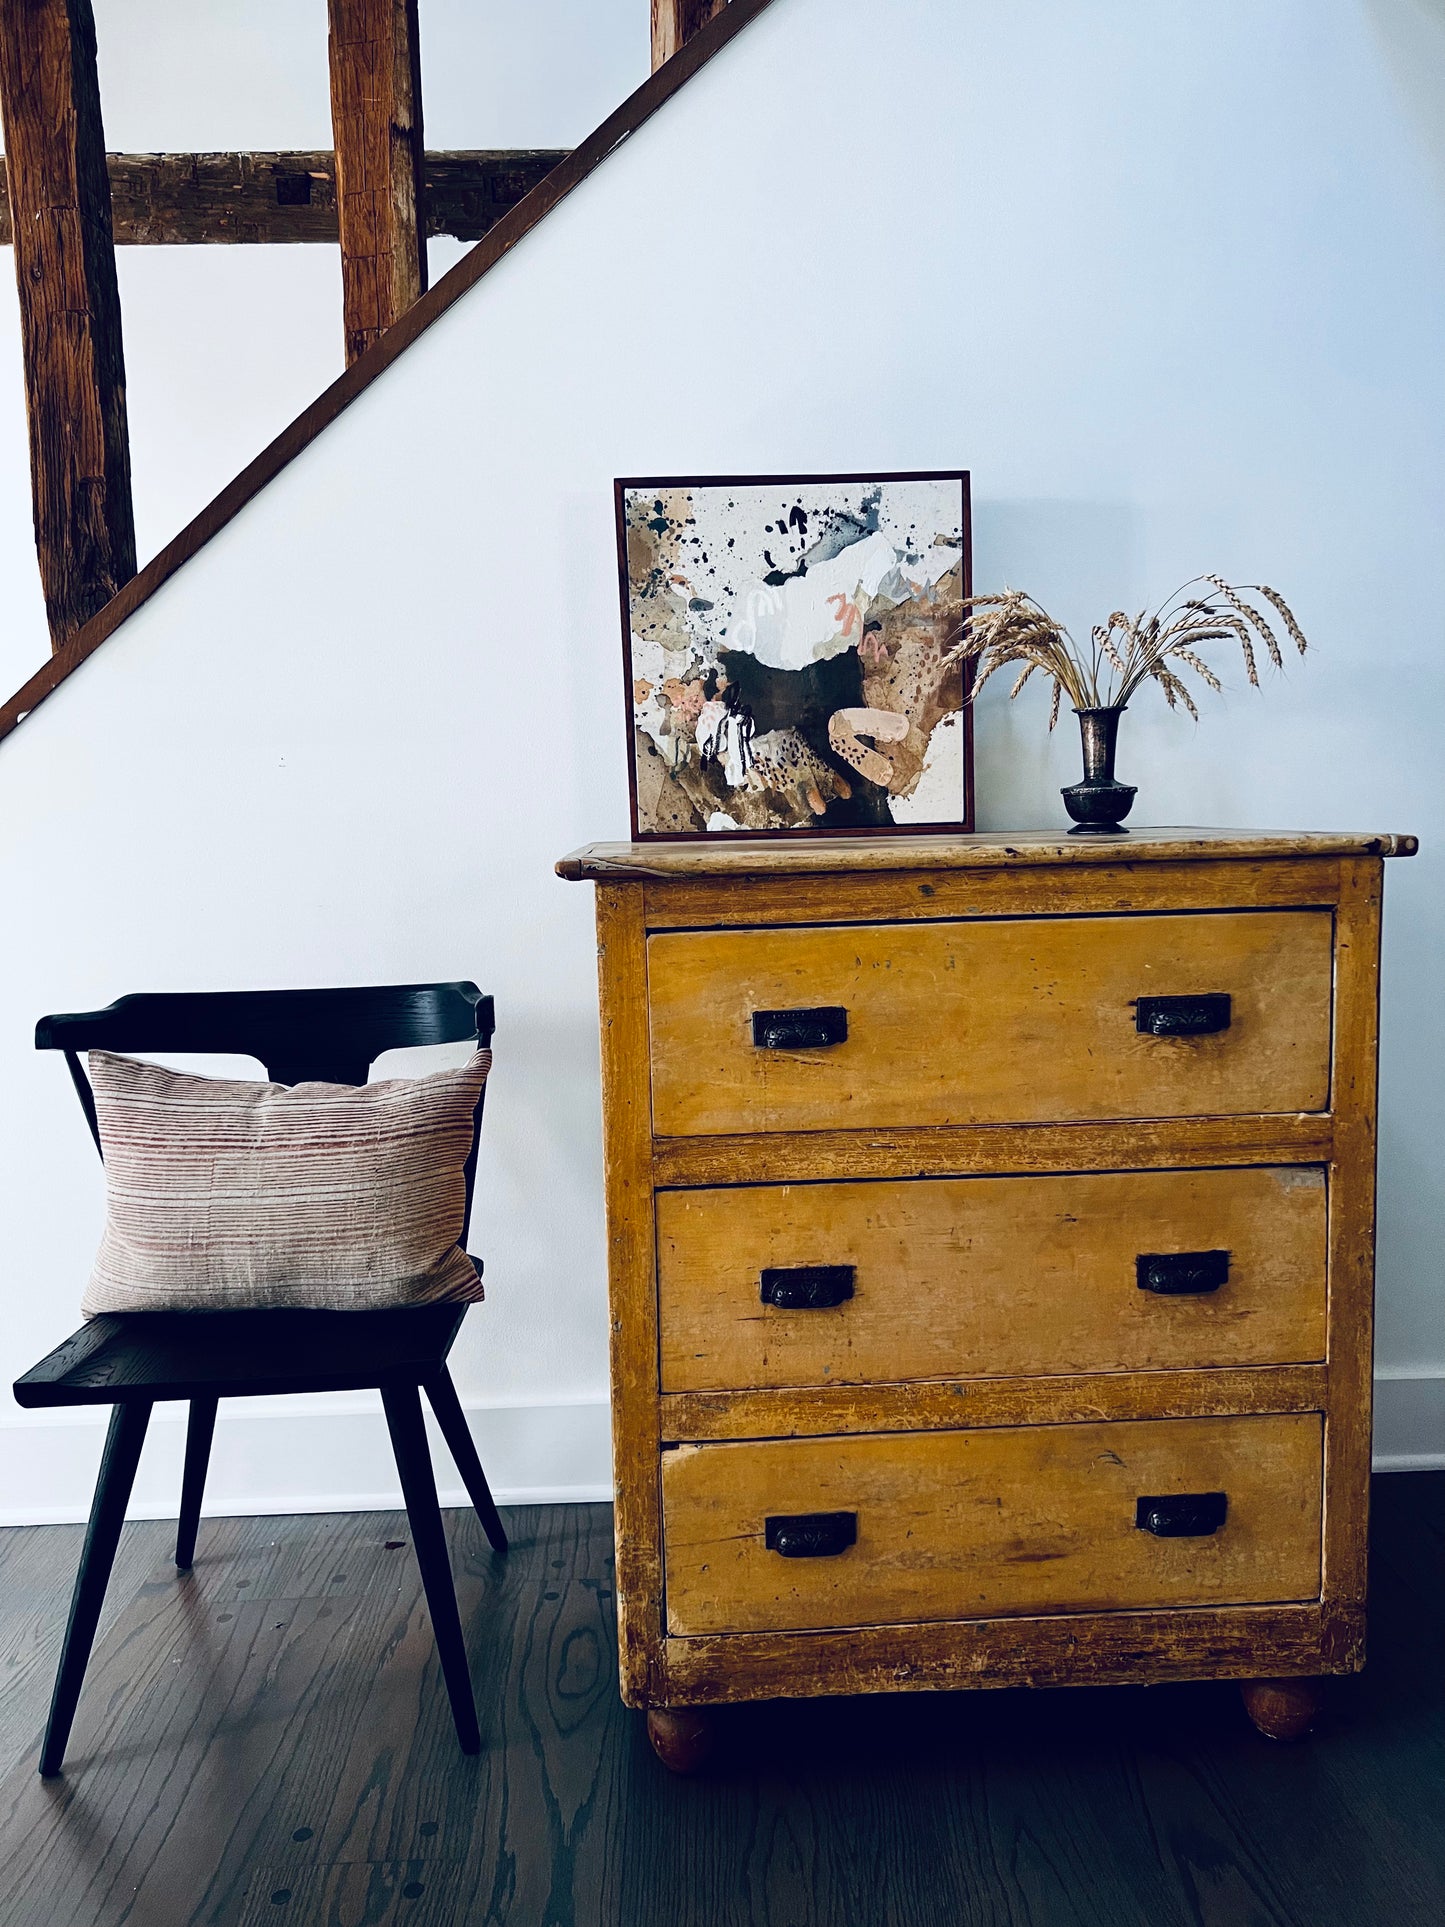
{"x":1182,"y":1515}
{"x":800,"y":1029}
{"x":806,"y":1287}
{"x":810,"y":1535}
{"x":1199,"y":1016}
{"x":1173,"y":1273}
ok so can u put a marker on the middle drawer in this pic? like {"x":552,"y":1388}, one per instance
{"x":877,"y":1282}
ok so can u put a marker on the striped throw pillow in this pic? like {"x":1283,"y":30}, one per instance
{"x":223,"y":1195}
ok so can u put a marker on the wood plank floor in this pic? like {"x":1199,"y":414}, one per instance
{"x":268,"y":1741}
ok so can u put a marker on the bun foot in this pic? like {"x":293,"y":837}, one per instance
{"x":681,"y":1736}
{"x":1283,"y":1709}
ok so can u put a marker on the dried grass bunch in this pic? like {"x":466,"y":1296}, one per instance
{"x":1127,"y":651}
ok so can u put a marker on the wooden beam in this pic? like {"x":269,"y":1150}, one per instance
{"x":376,"y":122}
{"x":182,"y":200}
{"x":655,"y":92}
{"x":69,"y":308}
{"x":674,"y":22}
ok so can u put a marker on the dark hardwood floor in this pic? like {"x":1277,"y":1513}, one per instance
{"x":267,"y":1740}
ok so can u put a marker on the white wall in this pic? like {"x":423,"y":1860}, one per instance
{"x":1168,"y":277}
{"x":225,"y":345}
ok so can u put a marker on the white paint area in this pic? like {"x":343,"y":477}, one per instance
{"x":814,"y":617}
{"x":226,"y":345}
{"x":1181,"y":307}
{"x":323,"y":1454}
{"x":738,"y":545}
{"x":934,"y":798}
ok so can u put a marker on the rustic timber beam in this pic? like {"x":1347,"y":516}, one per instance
{"x":69,"y":308}
{"x":515,"y":225}
{"x":175,"y":200}
{"x":674,"y":22}
{"x":376,"y":122}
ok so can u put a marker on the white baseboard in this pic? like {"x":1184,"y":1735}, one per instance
{"x":332,"y":1454}
{"x":274,"y":1456}
{"x":1410,"y":1421}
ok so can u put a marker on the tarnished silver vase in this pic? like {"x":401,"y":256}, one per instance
{"x":1099,"y":804}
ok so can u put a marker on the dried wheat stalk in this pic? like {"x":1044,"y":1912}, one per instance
{"x":1127,"y":651}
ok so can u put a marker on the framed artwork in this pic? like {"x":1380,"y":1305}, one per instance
{"x":790,"y":653}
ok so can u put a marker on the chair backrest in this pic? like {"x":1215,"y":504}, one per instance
{"x":301,"y":1036}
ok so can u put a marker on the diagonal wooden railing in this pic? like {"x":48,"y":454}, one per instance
{"x":667,"y":79}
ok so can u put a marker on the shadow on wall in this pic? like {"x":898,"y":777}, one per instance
{"x":1076,"y":558}
{"x":1412,"y":36}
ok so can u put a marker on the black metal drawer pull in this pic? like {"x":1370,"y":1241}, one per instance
{"x":1199,"y":1016}
{"x":810,"y":1535}
{"x":800,"y":1029}
{"x":1174,"y":1273}
{"x":806,"y":1287}
{"x":1182,"y":1515}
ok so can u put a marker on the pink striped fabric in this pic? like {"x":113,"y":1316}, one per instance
{"x":222,"y":1194}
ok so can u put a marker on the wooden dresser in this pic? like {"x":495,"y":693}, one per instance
{"x":991,"y":1229}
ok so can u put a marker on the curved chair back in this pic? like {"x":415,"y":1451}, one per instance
{"x":300,"y":1036}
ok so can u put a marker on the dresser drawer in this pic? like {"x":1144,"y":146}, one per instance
{"x":992,"y":1021}
{"x":959,"y":1525}
{"x":826,"y":1284}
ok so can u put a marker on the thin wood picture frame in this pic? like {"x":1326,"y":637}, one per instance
{"x":817,"y":763}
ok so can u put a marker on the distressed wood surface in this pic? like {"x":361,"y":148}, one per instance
{"x":632,"y":1292}
{"x":1003,"y":1276}
{"x":674,"y":22}
{"x":717,"y":1227}
{"x":815,"y":1411}
{"x":513,"y":227}
{"x":376,"y":121}
{"x":989,"y":1022}
{"x":177,"y":200}
{"x":1030,"y":890}
{"x":1350,"y":1338}
{"x":971,"y":1655}
{"x":742,"y":857}
{"x":1026,"y":1520}
{"x":777,"y":1157}
{"x":70,"y":328}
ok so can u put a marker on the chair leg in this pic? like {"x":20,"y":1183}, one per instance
{"x":413,"y":1462}
{"x":199,"y":1430}
{"x":453,"y":1422}
{"x":107,"y":1515}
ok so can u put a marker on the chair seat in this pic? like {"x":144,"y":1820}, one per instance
{"x":153,"y":1355}
{"x":134,"y":1360}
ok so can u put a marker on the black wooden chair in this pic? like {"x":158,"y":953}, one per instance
{"x":130,"y":1361}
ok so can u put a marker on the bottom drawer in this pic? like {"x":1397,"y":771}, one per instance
{"x":798,"y":1534}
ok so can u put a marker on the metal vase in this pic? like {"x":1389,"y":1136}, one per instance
{"x":1099,"y":804}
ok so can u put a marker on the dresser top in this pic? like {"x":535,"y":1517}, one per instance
{"x":728,"y":856}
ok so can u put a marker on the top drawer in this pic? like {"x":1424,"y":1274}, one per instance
{"x":1028,"y":1020}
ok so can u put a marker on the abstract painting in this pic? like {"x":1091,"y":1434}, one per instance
{"x":791,"y":649}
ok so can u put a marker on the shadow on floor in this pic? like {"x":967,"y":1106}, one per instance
{"x":268,"y":1740}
